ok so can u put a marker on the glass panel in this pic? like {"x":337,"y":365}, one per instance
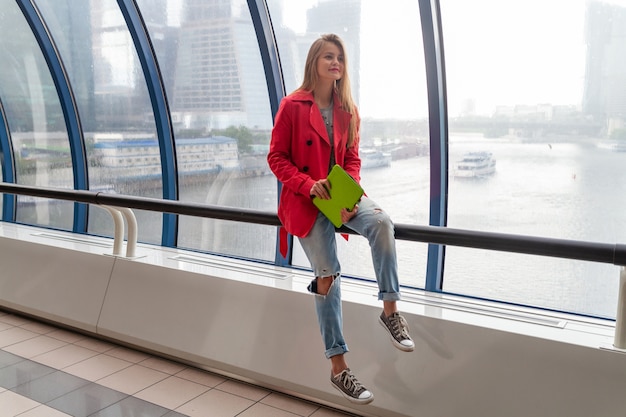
{"x":549,"y":106}
{"x":114,"y":106}
{"x":385,"y":56}
{"x":35,"y":118}
{"x":2,"y":126}
{"x":4,"y":131}
{"x":216,"y":87}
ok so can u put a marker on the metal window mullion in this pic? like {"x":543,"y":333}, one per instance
{"x":438,"y":130}
{"x":68,"y":106}
{"x":160,"y":108}
{"x":275,"y":86}
{"x":8,"y":166}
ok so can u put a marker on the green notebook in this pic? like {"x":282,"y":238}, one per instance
{"x":344,"y":191}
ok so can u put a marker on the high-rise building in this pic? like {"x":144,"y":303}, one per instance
{"x":119,"y":83}
{"x":220,"y":80}
{"x":604,"y":95}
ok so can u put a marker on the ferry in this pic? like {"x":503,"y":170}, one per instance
{"x":372,"y":158}
{"x":613,"y":145}
{"x":475,"y":165}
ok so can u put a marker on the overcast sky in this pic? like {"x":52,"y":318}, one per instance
{"x":497,"y":53}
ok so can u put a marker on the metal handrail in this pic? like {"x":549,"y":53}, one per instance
{"x":560,"y":248}
{"x":504,"y":242}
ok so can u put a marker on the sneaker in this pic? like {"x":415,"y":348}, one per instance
{"x":398,"y":329}
{"x":351,"y":388}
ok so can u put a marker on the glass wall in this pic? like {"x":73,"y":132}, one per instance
{"x":215,"y":83}
{"x":5,"y":168}
{"x":537,"y":103}
{"x":536,"y":96}
{"x":387,"y":74}
{"x":113,"y":104}
{"x":35,"y":119}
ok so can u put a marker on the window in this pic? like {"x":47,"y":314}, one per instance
{"x":385,"y":58}
{"x":214,"y":110}
{"x":112,"y":99}
{"x":549,"y":106}
{"x":35,"y":118}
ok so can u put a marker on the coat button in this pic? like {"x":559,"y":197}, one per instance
{"x":305,"y":169}
{"x":309,"y":142}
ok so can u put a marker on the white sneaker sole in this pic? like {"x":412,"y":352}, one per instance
{"x":352,"y":399}
{"x":397,"y":344}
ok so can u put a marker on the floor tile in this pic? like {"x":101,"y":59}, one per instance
{"x":12,"y":404}
{"x":4,"y":326}
{"x":201,"y":377}
{"x":95,"y":344}
{"x":97,"y":367}
{"x":7,"y":359}
{"x":242,"y":389}
{"x":44,"y":411}
{"x":131,"y":406}
{"x":133,"y":379}
{"x":163,"y":365}
{"x":34,"y":346}
{"x":290,"y":404}
{"x":262,"y":410}
{"x":86,"y":400}
{"x":127,"y":354}
{"x":21,"y":372}
{"x":174,"y":414}
{"x":65,"y":356}
{"x":49,"y":387}
{"x":37,"y":327}
{"x":66,"y":335}
{"x":171,"y":392}
{"x":221,"y":404}
{"x":15,"y":335}
{"x":326,"y":412}
{"x":15,"y":320}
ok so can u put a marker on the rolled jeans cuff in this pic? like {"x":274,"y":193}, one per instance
{"x":389,"y":296}
{"x":338,"y":350}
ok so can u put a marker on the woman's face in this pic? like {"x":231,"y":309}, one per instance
{"x":330,"y":64}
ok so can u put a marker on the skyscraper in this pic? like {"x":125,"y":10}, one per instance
{"x":604,"y":95}
{"x":120,"y":93}
{"x":217,"y":45}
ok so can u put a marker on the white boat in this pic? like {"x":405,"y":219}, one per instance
{"x":613,"y":145}
{"x":371,"y":158}
{"x":475,"y":165}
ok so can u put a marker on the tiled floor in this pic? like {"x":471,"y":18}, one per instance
{"x":50,"y":372}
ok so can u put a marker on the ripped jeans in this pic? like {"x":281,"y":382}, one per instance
{"x":320,"y":248}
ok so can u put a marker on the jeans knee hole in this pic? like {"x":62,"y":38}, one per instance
{"x":315,"y":288}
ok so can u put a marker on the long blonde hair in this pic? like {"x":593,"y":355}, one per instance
{"x":342,"y":86}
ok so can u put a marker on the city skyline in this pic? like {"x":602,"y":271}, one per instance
{"x":527,"y":66}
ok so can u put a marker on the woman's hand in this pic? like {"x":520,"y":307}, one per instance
{"x":347,"y":215}
{"x":321,"y":189}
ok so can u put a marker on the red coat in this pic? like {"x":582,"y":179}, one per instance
{"x":300,"y":153}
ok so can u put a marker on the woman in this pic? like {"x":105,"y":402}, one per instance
{"x":316,"y":127}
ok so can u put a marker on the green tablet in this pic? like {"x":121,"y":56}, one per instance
{"x":344,"y":191}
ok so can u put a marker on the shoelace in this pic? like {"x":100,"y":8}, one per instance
{"x":399,"y":325}
{"x":349,"y":381}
